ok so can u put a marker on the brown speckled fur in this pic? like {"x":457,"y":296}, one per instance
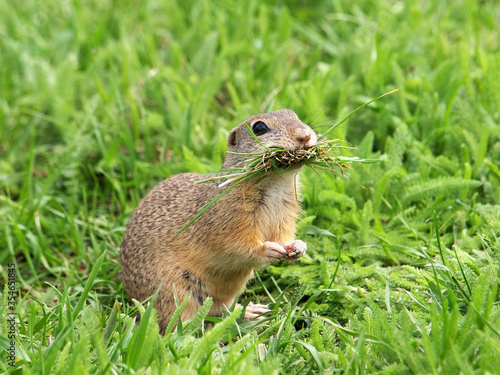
{"x":216,"y":255}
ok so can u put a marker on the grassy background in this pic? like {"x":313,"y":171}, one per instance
{"x":100,"y":100}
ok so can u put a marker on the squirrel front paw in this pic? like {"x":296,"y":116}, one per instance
{"x":275,"y":252}
{"x":295,"y":249}
{"x":291,"y":251}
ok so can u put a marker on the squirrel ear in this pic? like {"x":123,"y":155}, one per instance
{"x":232,"y":138}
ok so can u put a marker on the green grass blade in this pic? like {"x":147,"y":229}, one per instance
{"x":175,"y":317}
{"x":88,"y":285}
{"x":211,"y":338}
{"x":140,"y":339}
{"x":354,"y":111}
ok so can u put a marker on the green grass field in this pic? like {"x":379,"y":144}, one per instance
{"x":100,"y":100}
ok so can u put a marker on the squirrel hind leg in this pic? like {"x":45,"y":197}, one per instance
{"x":165,"y":304}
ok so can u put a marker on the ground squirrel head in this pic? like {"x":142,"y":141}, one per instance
{"x":281,"y":129}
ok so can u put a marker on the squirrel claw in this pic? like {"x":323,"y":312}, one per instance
{"x":295,"y":249}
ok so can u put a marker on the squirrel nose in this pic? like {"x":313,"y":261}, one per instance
{"x":305,"y":139}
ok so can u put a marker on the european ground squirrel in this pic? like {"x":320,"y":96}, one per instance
{"x":250,"y":226}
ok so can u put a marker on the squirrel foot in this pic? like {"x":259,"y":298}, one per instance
{"x":295,"y":249}
{"x":255,"y":311}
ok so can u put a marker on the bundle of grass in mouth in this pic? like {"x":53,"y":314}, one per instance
{"x":323,"y":155}
{"x":278,"y":160}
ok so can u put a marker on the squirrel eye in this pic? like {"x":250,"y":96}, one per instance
{"x":260,"y":128}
